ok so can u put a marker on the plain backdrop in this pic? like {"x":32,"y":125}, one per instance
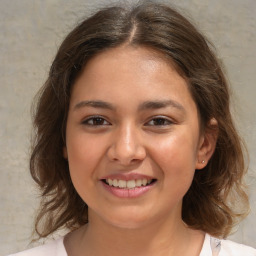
{"x":30,"y":33}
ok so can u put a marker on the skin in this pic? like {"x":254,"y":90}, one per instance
{"x":129,"y":135}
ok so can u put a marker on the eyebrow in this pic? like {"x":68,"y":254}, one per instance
{"x":157,"y":104}
{"x":154,"y":104}
{"x":94,"y":104}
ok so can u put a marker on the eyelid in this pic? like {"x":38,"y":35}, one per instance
{"x":89,"y":118}
{"x":166,"y":119}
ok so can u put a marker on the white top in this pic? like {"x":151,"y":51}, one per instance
{"x":211,"y":247}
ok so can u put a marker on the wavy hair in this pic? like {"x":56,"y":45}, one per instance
{"x":210,"y":203}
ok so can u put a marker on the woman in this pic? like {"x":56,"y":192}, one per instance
{"x":135,"y":151}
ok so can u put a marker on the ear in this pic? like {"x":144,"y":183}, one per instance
{"x":207,"y":144}
{"x":65,"y":152}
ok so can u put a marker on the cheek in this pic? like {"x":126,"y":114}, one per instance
{"x":83,"y":158}
{"x":176,"y":157}
{"x":84,"y":151}
{"x":180,"y":150}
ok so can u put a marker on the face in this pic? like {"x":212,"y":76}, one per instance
{"x":132,"y":138}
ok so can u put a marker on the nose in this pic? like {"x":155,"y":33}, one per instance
{"x":126,"y":146}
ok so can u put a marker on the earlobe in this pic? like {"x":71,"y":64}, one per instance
{"x":207,"y":144}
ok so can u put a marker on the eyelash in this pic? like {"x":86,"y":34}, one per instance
{"x":101,"y":121}
{"x":163,"y":121}
{"x":95,"y":118}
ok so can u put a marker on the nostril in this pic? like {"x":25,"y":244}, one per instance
{"x":126,"y":150}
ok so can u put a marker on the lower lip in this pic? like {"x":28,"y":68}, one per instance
{"x":127,"y":193}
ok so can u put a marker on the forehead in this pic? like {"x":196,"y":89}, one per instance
{"x":135,"y":72}
{"x":132,"y":54}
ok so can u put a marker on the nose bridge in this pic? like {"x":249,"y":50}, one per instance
{"x":127,"y":145}
{"x":126,"y":141}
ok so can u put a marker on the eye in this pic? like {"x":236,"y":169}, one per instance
{"x":159,"y":121}
{"x":95,"y":121}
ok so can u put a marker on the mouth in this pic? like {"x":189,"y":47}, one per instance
{"x":129,"y":184}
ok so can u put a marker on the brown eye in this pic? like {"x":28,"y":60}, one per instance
{"x":159,"y":121}
{"x":95,"y":121}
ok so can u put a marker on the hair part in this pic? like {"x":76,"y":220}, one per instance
{"x":209,"y":205}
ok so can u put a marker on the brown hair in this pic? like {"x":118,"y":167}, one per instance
{"x":209,"y":203}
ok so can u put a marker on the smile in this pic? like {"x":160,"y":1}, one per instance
{"x":129,"y":184}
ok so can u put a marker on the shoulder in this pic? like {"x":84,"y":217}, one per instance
{"x":53,"y":248}
{"x":235,"y":249}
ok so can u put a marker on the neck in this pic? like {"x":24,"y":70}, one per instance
{"x":163,"y":237}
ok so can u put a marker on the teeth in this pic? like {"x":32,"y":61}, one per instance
{"x":130,"y":184}
{"x":122,"y":184}
{"x":115,"y":183}
{"x":138,"y":183}
{"x":110,"y":182}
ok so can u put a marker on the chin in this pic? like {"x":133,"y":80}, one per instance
{"x":132,"y":220}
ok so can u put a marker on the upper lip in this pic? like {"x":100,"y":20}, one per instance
{"x":127,"y":176}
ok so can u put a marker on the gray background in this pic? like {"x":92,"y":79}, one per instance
{"x":30,"y":32}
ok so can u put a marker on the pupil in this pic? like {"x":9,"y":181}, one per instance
{"x":98,"y":121}
{"x":159,"y":121}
